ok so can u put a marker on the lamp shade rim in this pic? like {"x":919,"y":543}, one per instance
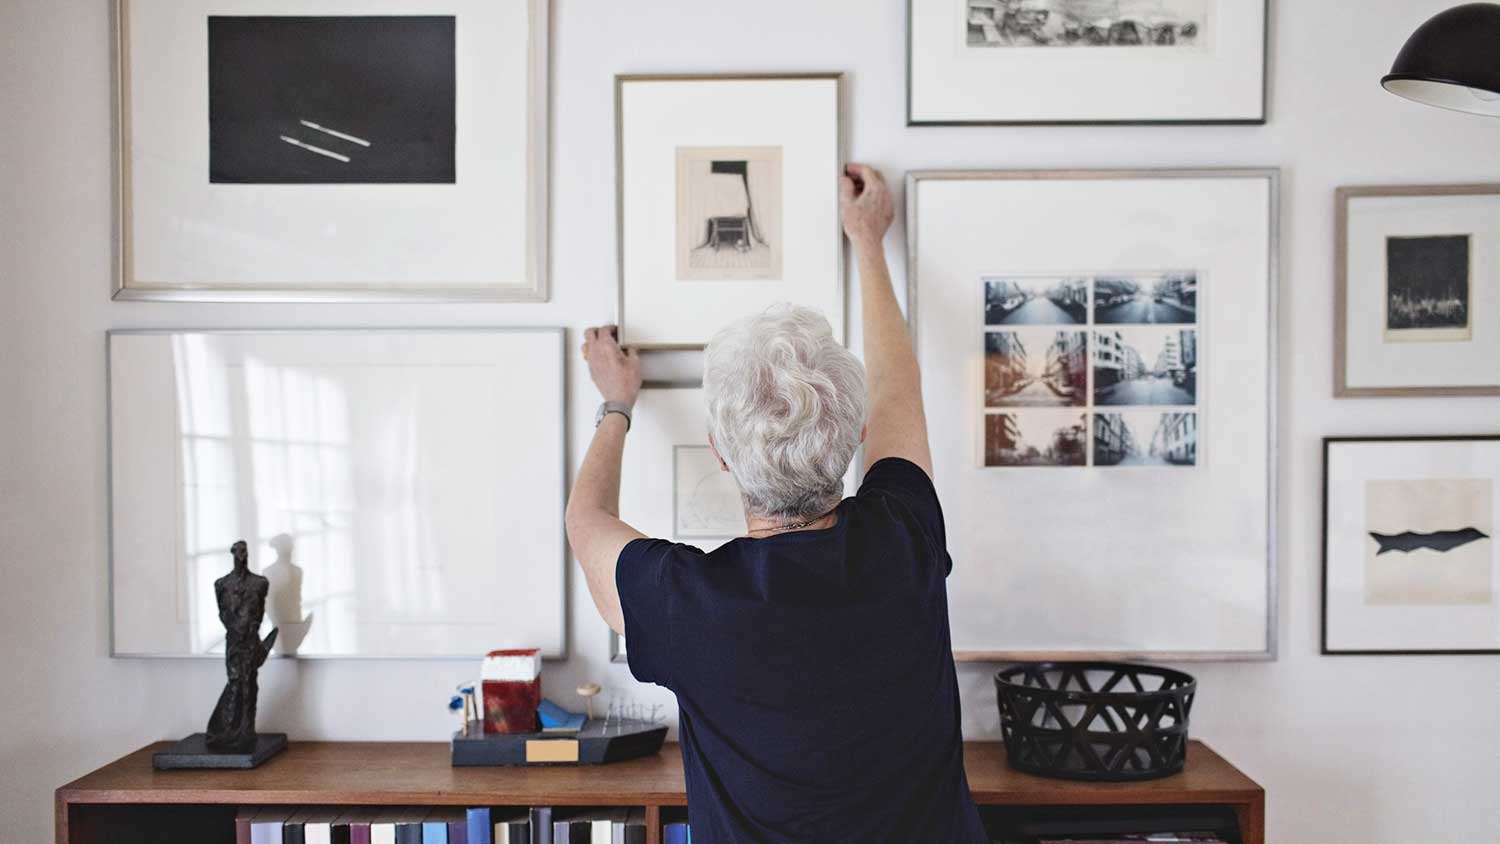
{"x":1385,"y":82}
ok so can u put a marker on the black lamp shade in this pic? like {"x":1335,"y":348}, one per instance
{"x":1452,"y":61}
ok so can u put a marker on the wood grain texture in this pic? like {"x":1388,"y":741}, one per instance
{"x":418,"y":773}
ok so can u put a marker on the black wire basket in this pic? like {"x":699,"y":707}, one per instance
{"x":1101,"y":721}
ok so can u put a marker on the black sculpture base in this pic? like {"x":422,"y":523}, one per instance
{"x":596,"y":744}
{"x":193,"y":752}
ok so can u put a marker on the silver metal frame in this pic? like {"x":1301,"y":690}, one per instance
{"x":1342,"y":196}
{"x":677,"y":494}
{"x":562,"y":405}
{"x":1265,"y":86}
{"x":841,"y":153}
{"x":1273,"y":178}
{"x":127,"y":286}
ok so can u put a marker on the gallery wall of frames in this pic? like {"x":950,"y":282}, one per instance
{"x":1149,"y":268}
{"x":1099,"y":335}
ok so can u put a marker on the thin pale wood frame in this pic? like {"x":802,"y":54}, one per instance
{"x":1273,"y":176}
{"x":127,"y":286}
{"x":1342,"y":197}
{"x":841,"y":153}
{"x":1328,"y":443}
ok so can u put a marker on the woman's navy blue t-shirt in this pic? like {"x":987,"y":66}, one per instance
{"x":813,"y":672}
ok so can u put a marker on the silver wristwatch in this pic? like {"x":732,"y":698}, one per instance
{"x":613,"y":407}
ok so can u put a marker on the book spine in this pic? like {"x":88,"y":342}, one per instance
{"x":458,"y":832}
{"x":541,"y":825}
{"x":479,"y":826}
{"x":434,"y":832}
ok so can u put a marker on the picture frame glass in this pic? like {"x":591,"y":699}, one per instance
{"x":333,"y":150}
{"x":1410,"y":563}
{"x":1097,"y":373}
{"x":388,"y":525}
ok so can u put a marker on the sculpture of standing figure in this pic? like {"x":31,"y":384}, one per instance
{"x":241,"y":596}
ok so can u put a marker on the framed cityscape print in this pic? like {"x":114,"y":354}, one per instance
{"x":727,"y":201}
{"x":1416,"y":290}
{"x":671,"y":485}
{"x":387,"y":524}
{"x":332,"y":150}
{"x":1409,"y":557}
{"x":1098,"y":368}
{"x":1085,"y":61}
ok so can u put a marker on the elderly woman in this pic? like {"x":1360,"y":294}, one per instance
{"x":810,"y":657}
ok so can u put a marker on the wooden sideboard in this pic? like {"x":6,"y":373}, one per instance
{"x":128,"y":801}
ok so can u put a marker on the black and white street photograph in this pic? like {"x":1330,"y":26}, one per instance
{"x":332,"y":100}
{"x":1145,"y":366}
{"x":1146,"y":438}
{"x":1037,"y":368}
{"x":1036,"y":438}
{"x":1146,"y":299}
{"x":1035,"y":300}
{"x":728,"y":213}
{"x":1085,"y":23}
{"x":1428,"y":281}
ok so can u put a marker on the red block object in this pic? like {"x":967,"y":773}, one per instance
{"x":511,"y":681}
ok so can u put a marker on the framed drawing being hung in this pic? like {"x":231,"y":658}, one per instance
{"x":388,"y":524}
{"x":332,"y":150}
{"x":1098,"y":361}
{"x":671,"y":485}
{"x":1414,"y":306}
{"x":1085,"y":61}
{"x":727,"y":201}
{"x":1409,"y":558}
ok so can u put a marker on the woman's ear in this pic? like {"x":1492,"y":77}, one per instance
{"x":715,"y":449}
{"x":862,"y":432}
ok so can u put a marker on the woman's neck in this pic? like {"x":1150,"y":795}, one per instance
{"x":760,"y":528}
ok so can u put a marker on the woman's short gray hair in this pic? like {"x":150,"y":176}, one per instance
{"x":786,"y":409}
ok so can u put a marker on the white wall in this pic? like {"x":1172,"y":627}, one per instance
{"x":1350,"y":749}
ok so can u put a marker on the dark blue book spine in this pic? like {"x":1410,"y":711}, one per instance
{"x":541,"y":825}
{"x":480,"y":827}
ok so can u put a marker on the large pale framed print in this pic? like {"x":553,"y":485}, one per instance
{"x":671,"y":485}
{"x":1086,"y":61}
{"x":1415,"y":310}
{"x":332,"y":150}
{"x":1097,"y":352}
{"x":1409,"y":556}
{"x":728,"y":201}
{"x":401,"y":490}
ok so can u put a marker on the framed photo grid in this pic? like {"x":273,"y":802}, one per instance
{"x":1129,"y":313}
{"x":1091,"y":369}
{"x":1410,"y":564}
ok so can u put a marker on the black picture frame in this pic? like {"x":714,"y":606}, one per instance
{"x":1323,"y":648}
{"x":1265,"y":96}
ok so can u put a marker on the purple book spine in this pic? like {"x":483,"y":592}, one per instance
{"x":458,"y":832}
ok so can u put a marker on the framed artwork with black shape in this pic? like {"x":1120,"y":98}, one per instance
{"x":1416,"y":282}
{"x":1085,"y":61}
{"x":1409,"y":556}
{"x":332,"y":150}
{"x":1098,"y":362}
{"x":727,"y":201}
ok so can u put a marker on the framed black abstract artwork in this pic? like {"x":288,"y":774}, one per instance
{"x":1409,"y":554}
{"x":336,"y":150}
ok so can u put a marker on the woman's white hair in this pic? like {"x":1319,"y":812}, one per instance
{"x":786,"y":409}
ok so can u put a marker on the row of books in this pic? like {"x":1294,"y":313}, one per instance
{"x":447,"y":825}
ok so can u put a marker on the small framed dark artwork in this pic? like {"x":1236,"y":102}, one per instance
{"x":1415,"y":265}
{"x":1409,"y":554}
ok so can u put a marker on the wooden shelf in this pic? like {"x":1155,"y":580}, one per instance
{"x":128,"y":791}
